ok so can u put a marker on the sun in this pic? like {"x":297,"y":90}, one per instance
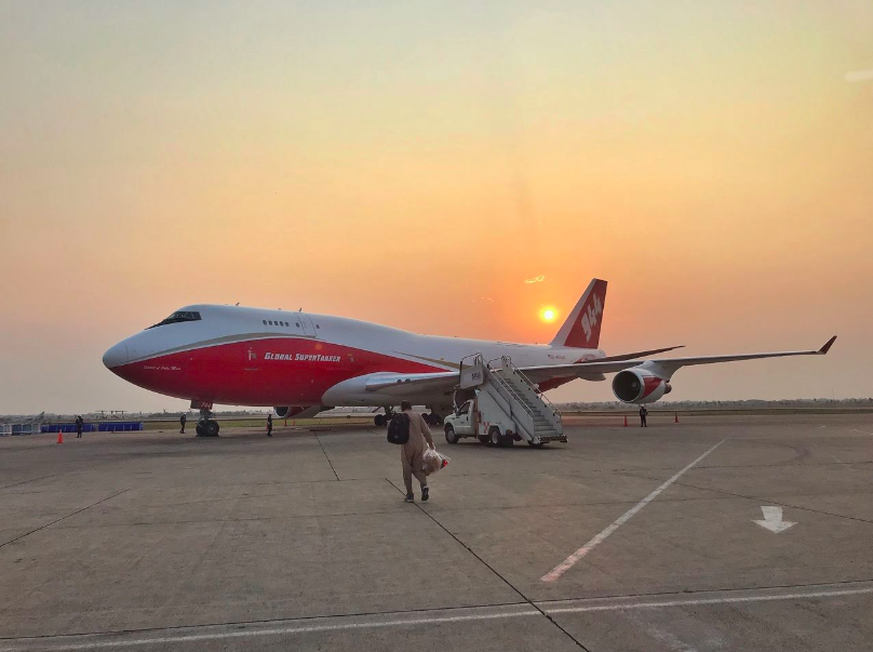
{"x":548,"y":314}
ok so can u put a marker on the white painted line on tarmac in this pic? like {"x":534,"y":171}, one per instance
{"x":222,"y":632}
{"x":571,"y":561}
{"x":693,"y":602}
{"x":435,"y":617}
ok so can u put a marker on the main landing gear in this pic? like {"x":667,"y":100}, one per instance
{"x":433,"y":419}
{"x":206,"y":425}
{"x":381,"y":420}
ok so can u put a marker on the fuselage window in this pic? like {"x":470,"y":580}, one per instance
{"x":265,"y":321}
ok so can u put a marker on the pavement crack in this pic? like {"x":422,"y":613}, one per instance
{"x":18,"y":484}
{"x":527,"y":600}
{"x":58,"y":520}
{"x":326,"y":456}
{"x":771,"y":501}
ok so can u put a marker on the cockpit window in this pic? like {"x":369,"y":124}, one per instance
{"x":179,"y":316}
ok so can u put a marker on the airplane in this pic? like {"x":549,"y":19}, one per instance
{"x":305,"y":363}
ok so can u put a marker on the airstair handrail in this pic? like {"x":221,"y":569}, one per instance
{"x":507,"y":363}
{"x":507,"y":389}
{"x":540,"y":394}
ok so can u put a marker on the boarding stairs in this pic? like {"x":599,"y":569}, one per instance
{"x":537,"y":420}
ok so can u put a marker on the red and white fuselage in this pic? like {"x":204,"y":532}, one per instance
{"x":247,"y":356}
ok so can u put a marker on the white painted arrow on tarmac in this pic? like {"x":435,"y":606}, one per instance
{"x":773,"y":519}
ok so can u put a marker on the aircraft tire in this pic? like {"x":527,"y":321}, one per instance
{"x":199,"y":430}
{"x":211,"y":429}
{"x":379,"y":420}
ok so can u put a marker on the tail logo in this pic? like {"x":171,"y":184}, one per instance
{"x":590,"y":317}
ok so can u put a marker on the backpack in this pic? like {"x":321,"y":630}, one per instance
{"x":398,"y":429}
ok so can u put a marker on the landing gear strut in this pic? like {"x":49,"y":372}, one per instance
{"x":206,"y":425}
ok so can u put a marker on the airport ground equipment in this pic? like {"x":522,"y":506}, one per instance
{"x":501,"y":406}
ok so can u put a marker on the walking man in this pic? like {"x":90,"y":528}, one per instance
{"x":270,"y":425}
{"x":182,"y":420}
{"x":412,"y":452}
{"x":643,"y":413}
{"x":80,"y":424}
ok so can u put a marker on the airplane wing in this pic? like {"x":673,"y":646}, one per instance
{"x":668,"y":366}
{"x":403,"y":385}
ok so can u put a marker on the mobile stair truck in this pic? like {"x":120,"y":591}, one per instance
{"x":497,"y":404}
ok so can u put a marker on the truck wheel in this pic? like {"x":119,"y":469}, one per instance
{"x":451,"y":437}
{"x":494,"y":438}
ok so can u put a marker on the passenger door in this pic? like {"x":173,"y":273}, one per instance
{"x":306,"y":324}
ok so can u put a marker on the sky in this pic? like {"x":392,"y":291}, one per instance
{"x":413,"y":163}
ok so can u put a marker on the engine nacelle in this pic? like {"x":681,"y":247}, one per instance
{"x":298,"y":411}
{"x":637,"y":385}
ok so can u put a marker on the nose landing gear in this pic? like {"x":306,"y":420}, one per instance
{"x":207,"y":426}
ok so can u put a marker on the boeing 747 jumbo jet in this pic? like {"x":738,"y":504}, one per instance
{"x":306,"y":363}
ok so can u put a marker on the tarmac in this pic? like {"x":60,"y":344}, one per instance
{"x":622,"y":539}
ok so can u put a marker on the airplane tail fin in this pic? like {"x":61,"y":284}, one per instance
{"x":582,"y":327}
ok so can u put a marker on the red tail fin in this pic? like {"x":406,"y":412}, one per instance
{"x":582,"y":328}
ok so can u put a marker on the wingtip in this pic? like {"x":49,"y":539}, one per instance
{"x":827,"y":346}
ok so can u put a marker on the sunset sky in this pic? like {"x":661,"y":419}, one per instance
{"x":712,"y":161}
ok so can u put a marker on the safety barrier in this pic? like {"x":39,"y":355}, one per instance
{"x":121,"y":426}
{"x":65,"y":427}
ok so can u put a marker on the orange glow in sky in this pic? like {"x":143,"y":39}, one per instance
{"x":415,"y":164}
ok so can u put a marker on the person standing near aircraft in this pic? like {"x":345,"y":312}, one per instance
{"x":643,"y":413}
{"x":412,"y":452}
{"x":269,"y":425}
{"x":80,"y":425}
{"x":182,"y":420}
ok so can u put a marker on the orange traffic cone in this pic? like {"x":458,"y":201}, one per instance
{"x":60,"y":436}
{"x":625,"y":421}
{"x":675,"y":417}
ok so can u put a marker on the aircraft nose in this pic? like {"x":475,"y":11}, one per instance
{"x":116,"y":356}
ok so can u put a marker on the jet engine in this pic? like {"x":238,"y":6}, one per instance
{"x":298,"y":411}
{"x":637,"y":385}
